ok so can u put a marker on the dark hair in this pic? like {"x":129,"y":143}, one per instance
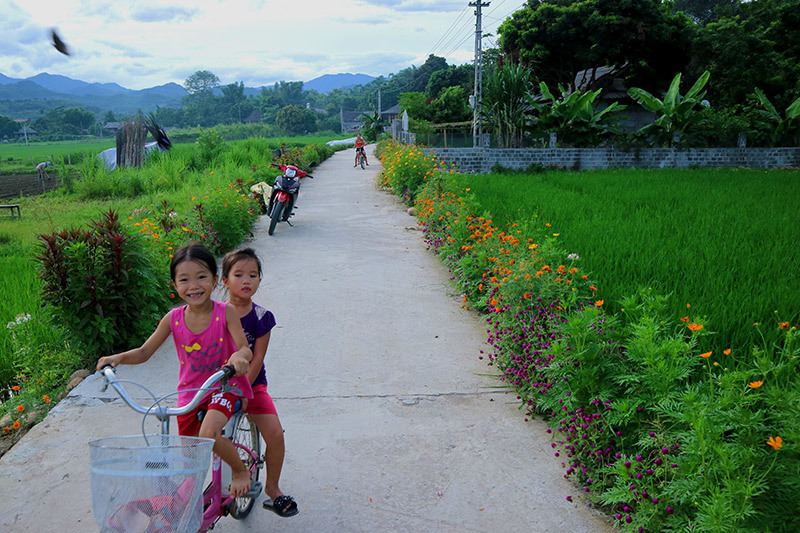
{"x":193,"y":252}
{"x":231,"y":258}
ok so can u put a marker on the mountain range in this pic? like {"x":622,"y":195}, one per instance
{"x":21,"y":98}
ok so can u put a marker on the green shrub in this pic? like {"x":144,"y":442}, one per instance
{"x":101,"y":285}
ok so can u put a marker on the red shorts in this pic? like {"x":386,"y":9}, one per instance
{"x":189,"y":425}
{"x":261,"y":402}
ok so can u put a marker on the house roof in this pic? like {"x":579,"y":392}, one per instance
{"x":605,"y":78}
{"x":394,"y":110}
{"x":113,"y":125}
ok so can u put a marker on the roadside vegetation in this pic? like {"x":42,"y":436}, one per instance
{"x":84,"y":270}
{"x":634,"y":319}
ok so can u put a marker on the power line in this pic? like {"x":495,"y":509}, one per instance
{"x":446,"y":33}
{"x":477,"y":121}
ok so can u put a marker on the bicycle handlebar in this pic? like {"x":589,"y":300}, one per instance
{"x":222,"y":375}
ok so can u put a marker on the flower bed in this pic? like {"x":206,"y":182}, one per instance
{"x":648,"y":426}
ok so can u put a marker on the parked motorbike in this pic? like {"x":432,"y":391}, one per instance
{"x":284,"y":194}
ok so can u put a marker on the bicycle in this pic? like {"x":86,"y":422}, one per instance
{"x":216,"y":500}
{"x":362,"y":158}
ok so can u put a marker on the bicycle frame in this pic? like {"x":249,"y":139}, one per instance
{"x":216,"y":499}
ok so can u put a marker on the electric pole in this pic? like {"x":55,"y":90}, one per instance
{"x":477,"y":121}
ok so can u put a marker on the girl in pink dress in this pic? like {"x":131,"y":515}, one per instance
{"x":207,"y":336}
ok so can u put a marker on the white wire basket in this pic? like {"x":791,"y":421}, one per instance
{"x":149,"y":483}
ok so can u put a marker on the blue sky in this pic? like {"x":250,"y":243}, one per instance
{"x":144,"y":43}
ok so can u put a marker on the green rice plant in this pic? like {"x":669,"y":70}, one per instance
{"x":721,"y":241}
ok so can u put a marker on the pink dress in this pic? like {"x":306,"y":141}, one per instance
{"x":202,"y":354}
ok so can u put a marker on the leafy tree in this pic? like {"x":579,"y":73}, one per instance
{"x":704,"y":11}
{"x":78,"y":120}
{"x":559,"y":38}
{"x":8,"y":128}
{"x":416,"y":105}
{"x":505,"y":101}
{"x":373,"y":125}
{"x":785,"y":129}
{"x":573,"y":116}
{"x":462,"y":76}
{"x":675,"y":114}
{"x":759,"y":46}
{"x":451,"y":106}
{"x":420,"y":76}
{"x":201,"y":82}
{"x":296,"y":119}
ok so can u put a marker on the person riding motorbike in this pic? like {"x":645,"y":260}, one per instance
{"x":360,"y":142}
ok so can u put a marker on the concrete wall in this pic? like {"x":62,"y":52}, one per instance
{"x":483,"y":159}
{"x":14,"y":186}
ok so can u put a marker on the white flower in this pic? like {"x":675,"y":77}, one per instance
{"x":573,"y":256}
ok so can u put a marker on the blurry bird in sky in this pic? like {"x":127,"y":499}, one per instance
{"x":60,"y":45}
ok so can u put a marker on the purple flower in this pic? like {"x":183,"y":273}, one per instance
{"x":628,"y":519}
{"x":627,"y":464}
{"x":626,"y":509}
{"x":670,"y":510}
{"x":569,"y":498}
{"x":655,"y":501}
{"x":664,"y":450}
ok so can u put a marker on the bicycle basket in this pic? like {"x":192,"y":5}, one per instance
{"x":148,"y":483}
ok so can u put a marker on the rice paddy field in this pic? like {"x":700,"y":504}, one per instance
{"x":724,"y":241}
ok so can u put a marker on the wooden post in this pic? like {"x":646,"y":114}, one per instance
{"x":445,"y":137}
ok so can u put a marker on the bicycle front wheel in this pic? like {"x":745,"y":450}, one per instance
{"x":246,"y":434}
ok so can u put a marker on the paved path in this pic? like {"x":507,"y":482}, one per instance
{"x":390,"y":423}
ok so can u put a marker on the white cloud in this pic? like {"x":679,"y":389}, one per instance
{"x":143,"y":43}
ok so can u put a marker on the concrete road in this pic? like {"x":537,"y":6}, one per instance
{"x":391,"y":423}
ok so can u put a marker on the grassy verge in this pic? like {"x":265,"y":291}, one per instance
{"x":197,"y":192}
{"x":651,"y":411}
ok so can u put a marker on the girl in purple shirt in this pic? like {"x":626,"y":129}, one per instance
{"x":241,"y":274}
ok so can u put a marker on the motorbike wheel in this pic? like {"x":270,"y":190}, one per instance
{"x":275,"y":216}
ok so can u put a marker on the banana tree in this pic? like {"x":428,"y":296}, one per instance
{"x":503,"y":103}
{"x":373,"y":125}
{"x":785,"y":130}
{"x":573,"y":117}
{"x":675,"y":114}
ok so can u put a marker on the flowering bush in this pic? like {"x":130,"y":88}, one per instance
{"x":661,"y":434}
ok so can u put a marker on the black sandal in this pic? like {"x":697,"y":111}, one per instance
{"x":284,"y":506}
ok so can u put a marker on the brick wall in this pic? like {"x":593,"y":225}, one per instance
{"x":14,"y":186}
{"x":483,"y":159}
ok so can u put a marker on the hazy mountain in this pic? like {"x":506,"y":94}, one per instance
{"x":328,"y":82}
{"x":18,"y":97}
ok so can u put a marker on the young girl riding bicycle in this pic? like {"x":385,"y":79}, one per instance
{"x":207,"y":335}
{"x":241,"y":274}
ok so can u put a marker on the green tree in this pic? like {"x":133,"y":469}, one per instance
{"x":462,"y":76}
{"x":785,"y":130}
{"x":641,"y":40}
{"x":758,"y":45}
{"x":296,"y":119}
{"x":78,"y":120}
{"x":675,"y":114}
{"x":573,"y":116}
{"x":504,"y":103}
{"x":451,"y":106}
{"x":201,"y":82}
{"x":373,"y":125}
{"x":416,"y":105}
{"x":8,"y":128}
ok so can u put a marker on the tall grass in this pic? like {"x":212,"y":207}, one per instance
{"x":723,"y":241}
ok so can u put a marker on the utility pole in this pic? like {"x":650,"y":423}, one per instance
{"x":380,"y":111}
{"x":477,"y":121}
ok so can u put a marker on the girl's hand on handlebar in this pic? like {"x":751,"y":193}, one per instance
{"x":239,"y":363}
{"x":107,"y":360}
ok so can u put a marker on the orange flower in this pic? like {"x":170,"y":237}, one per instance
{"x":15,"y":387}
{"x":20,"y":408}
{"x":599,"y":303}
{"x":694,"y":327}
{"x":16,"y":425}
{"x":46,"y":398}
{"x":727,"y":352}
{"x":775,"y":442}
{"x":755,"y":384}
{"x":706,"y":355}
{"x":783,"y":325}
{"x":6,"y":430}
{"x":593,"y":287}
{"x":685,"y":319}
